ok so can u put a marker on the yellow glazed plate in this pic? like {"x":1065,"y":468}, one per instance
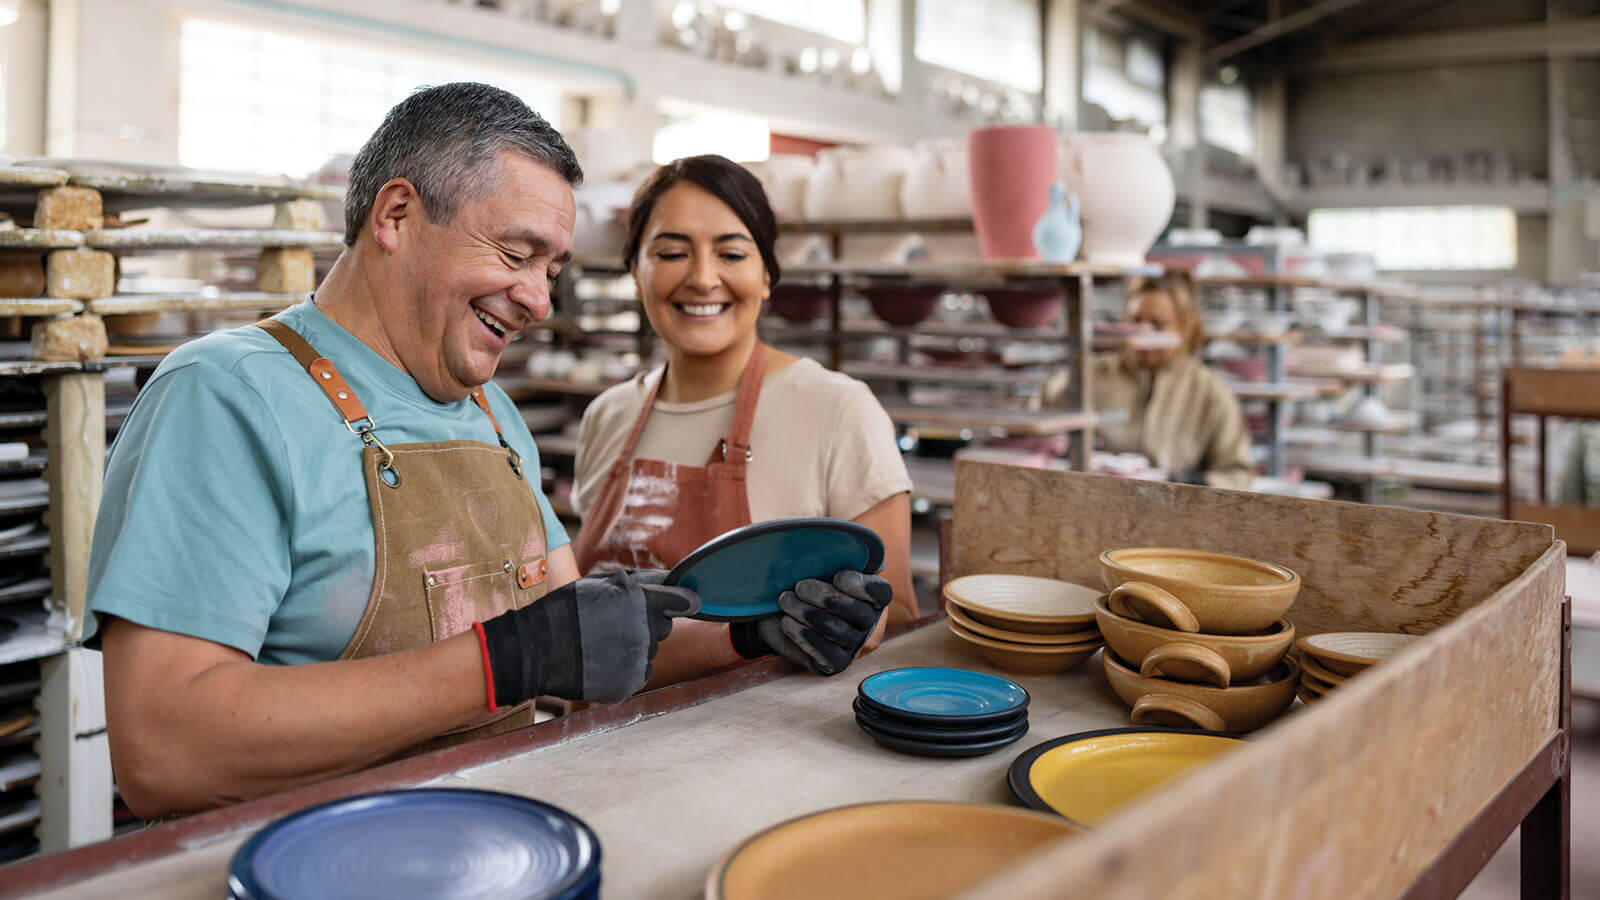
{"x":1024,"y":602}
{"x":912,"y":850}
{"x":1087,"y":777}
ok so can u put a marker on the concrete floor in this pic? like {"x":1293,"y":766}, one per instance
{"x":1499,"y":879}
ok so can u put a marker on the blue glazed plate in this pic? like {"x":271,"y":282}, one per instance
{"x":940,"y":696}
{"x":937,"y":734}
{"x":932,"y":748}
{"x":439,"y":843}
{"x":740,"y":575}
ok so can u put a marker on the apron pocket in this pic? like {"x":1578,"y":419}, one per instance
{"x":461,"y":595}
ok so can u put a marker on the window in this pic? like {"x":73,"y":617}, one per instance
{"x":1421,"y":237}
{"x":275,"y":103}
{"x":843,"y":20}
{"x":998,"y":40}
{"x":1125,"y":76}
{"x":738,"y":137}
{"x":1225,"y":119}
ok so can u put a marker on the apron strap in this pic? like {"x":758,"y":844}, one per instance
{"x":737,"y":446}
{"x":324,"y":373}
{"x":628,"y":446}
{"x":514,"y":457}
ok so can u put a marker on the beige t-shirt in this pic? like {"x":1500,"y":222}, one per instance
{"x":821,"y":443}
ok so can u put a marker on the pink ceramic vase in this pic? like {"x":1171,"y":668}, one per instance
{"x":1011,"y":168}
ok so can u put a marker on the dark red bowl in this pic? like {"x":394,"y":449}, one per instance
{"x":1024,"y":307}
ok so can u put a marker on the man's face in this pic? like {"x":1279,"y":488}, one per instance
{"x":473,"y":284}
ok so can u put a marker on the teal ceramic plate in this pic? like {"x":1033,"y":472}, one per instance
{"x":740,"y":575}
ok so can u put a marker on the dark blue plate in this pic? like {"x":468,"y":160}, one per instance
{"x":440,"y":843}
{"x":933,"y":695}
{"x":740,"y":575}
{"x":931,"y":748}
{"x":936,"y":734}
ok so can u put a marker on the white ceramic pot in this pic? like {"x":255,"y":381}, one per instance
{"x":784,"y":177}
{"x":1125,"y":190}
{"x":937,"y":187}
{"x":861,"y":183}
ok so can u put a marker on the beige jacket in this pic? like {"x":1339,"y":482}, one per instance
{"x":1181,"y":416}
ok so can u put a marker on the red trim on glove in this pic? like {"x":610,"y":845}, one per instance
{"x":488,"y":673}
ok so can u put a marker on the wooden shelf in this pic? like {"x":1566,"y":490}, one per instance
{"x":139,"y":240}
{"x":38,"y":306}
{"x":1393,"y":372}
{"x":973,"y":271}
{"x":14,"y":176}
{"x":1385,"y":334}
{"x":33,"y":639}
{"x":556,"y":445}
{"x":172,"y":188}
{"x":1247,"y":337}
{"x":886,"y":226}
{"x":778,"y":329}
{"x":519,"y":386}
{"x":1454,"y":476}
{"x":1015,"y":422}
{"x":134,"y":304}
{"x":1259,"y":281}
{"x":1555,"y":392}
{"x":973,"y":376}
{"x":40,"y":239}
{"x":1397,"y":425}
{"x":1286,"y":391}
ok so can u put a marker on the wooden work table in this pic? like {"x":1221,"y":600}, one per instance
{"x":669,"y":795}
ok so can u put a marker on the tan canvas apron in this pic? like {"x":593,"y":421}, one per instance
{"x":459,"y":536}
{"x":650,"y":514}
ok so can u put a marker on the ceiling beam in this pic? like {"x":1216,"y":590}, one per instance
{"x":1502,"y":43}
{"x":1166,"y":16}
{"x":1273,"y":30}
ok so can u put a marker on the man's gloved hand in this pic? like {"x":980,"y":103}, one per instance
{"x":822,"y":626}
{"x":592,"y":639}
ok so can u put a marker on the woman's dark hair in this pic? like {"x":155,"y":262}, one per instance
{"x":723,"y":179}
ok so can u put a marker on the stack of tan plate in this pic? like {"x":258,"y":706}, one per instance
{"x":1328,"y":660}
{"x":1198,"y":639}
{"x":1024,"y":624}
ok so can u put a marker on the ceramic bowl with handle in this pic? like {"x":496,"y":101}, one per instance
{"x":1219,"y":659}
{"x":1240,"y":707}
{"x":1196,"y":591}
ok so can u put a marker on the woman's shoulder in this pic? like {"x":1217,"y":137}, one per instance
{"x":807,"y":378}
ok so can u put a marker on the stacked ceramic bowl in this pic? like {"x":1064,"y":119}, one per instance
{"x":1328,"y":660}
{"x":933,"y":711}
{"x":1023,"y":624}
{"x":1198,"y":639}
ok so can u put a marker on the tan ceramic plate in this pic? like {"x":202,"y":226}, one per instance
{"x":1024,"y":602}
{"x":1306,"y":696}
{"x":1348,"y":652}
{"x":910,"y":850}
{"x":1314,"y":684}
{"x":1024,"y":659}
{"x":1315,"y":669}
{"x":966,"y":621}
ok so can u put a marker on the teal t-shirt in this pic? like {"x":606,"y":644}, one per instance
{"x":234,"y":507}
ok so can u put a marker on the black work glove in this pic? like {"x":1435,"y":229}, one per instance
{"x":592,"y":639}
{"x":822,"y":626}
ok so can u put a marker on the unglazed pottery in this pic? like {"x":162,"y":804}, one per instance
{"x":1241,"y":707}
{"x":1313,"y":668}
{"x":1087,"y":777}
{"x":960,"y":617}
{"x":1025,"y":659}
{"x":913,"y":850}
{"x":1125,"y":192}
{"x":784,"y":176}
{"x":862,"y":183}
{"x":1024,"y":602}
{"x":1011,"y":169}
{"x":1348,"y":652}
{"x":1191,"y":656}
{"x":1195,"y":591}
{"x":937,"y":187}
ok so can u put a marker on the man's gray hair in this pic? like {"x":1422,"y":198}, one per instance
{"x":443,"y":139}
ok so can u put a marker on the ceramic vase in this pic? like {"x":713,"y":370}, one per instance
{"x":1010,"y":168}
{"x":1058,"y":234}
{"x":784,"y":177}
{"x":1125,"y":192}
{"x":937,"y":187}
{"x":861,"y":183}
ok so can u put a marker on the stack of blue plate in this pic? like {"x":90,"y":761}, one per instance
{"x":933,"y":711}
{"x":436,"y":843}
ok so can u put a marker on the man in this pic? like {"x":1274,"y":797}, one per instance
{"x":321,"y":539}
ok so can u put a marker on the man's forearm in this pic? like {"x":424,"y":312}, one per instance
{"x":237,"y":729}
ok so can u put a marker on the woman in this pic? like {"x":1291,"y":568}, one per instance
{"x":784,"y":436}
{"x":1180,"y":414}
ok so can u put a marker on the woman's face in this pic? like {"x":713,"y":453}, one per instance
{"x":1158,"y":310}
{"x":699,"y":273}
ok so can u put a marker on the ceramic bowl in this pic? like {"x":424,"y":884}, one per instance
{"x":1024,"y":602}
{"x":961,"y":618}
{"x":904,"y":304}
{"x":800,"y":303}
{"x":1220,"y":659}
{"x":1023,"y":659}
{"x":1195,"y":591}
{"x":1349,"y":652}
{"x":1024,"y":307}
{"x":1241,"y":707}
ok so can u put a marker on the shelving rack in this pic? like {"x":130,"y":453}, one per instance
{"x":1548,"y":392}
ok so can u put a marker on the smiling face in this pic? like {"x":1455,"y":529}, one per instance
{"x":1158,"y":310}
{"x":471,"y":285}
{"x":700,"y":275}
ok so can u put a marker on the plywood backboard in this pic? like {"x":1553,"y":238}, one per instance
{"x":1366,"y":568}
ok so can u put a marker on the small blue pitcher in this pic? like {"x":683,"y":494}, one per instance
{"x":1058,"y":234}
